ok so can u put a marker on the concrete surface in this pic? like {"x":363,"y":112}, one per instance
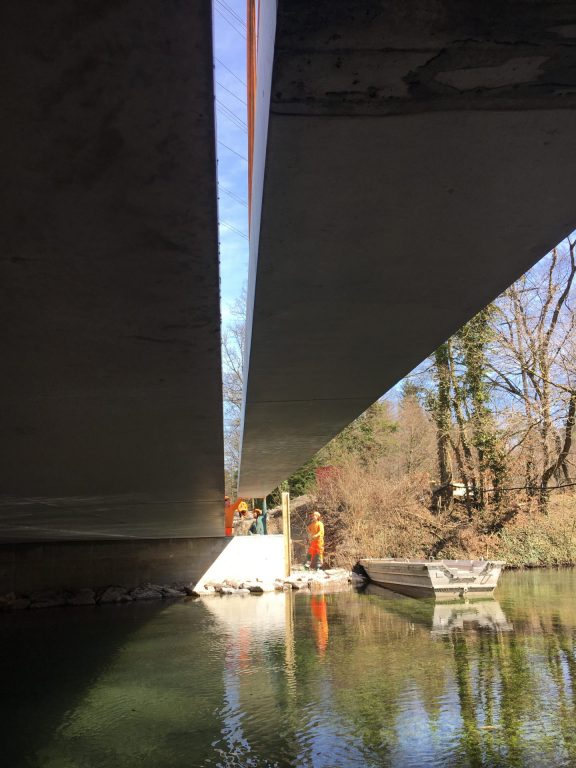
{"x":111,"y":421}
{"x":74,"y":565}
{"x":412,"y":158}
{"x":247,"y":558}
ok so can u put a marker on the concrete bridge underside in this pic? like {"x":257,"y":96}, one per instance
{"x":411,"y":159}
{"x":110,"y":391}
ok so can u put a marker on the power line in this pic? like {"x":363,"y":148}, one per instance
{"x":527,"y":488}
{"x":234,"y":27}
{"x":233,"y":116}
{"x":234,"y":122}
{"x":478,"y":491}
{"x":233,"y":195}
{"x":233,"y":229}
{"x":238,"y":122}
{"x":242,"y":101}
{"x":232,"y":12}
{"x":238,"y":125}
{"x":230,"y":71}
{"x":233,"y":151}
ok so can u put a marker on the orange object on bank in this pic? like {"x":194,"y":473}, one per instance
{"x":229,"y":510}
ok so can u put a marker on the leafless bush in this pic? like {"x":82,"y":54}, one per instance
{"x":368,"y":515}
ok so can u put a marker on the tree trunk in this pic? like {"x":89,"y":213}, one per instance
{"x":443,"y":419}
{"x":563,"y":454}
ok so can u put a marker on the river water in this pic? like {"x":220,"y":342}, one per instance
{"x":346,"y":679}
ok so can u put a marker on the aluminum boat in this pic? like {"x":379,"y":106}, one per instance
{"x":435,"y":578}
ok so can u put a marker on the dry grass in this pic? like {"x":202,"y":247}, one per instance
{"x":533,"y":539}
{"x":368,"y":515}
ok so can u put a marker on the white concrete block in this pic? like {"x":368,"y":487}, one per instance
{"x":247,"y":559}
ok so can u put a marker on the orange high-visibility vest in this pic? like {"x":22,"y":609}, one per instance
{"x":316,"y":533}
{"x":229,"y":514}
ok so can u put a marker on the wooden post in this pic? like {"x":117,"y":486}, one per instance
{"x":286,"y":531}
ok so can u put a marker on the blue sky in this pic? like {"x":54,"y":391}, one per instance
{"x":232,"y":137}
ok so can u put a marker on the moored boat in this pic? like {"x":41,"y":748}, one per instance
{"x":435,"y":578}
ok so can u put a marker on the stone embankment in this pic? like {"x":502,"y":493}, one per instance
{"x":103,"y":596}
{"x":331,"y":580}
{"x":316,"y":581}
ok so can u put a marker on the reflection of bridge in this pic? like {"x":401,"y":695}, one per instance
{"x":408,"y":163}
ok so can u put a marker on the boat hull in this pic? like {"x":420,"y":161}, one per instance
{"x":440,"y":579}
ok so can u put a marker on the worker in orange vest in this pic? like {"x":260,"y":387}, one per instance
{"x":316,"y":538}
{"x":228,"y":516}
{"x":229,"y":510}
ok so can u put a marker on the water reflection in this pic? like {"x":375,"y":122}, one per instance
{"x":486,"y":615}
{"x":319,"y":611}
{"x":297,"y":680}
{"x":445,"y":617}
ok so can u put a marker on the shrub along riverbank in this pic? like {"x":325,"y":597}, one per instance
{"x":366,"y":516}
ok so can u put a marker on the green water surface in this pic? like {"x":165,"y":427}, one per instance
{"x":330,"y":681}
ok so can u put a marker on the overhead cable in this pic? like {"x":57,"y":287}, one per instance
{"x":219,"y":84}
{"x":233,"y":195}
{"x":234,"y":229}
{"x":227,"y":68}
{"x":240,"y":127}
{"x":231,"y":24}
{"x":232,"y":12}
{"x":238,"y":122}
{"x":233,"y":151}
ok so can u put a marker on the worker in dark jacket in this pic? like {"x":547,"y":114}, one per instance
{"x":257,"y":526}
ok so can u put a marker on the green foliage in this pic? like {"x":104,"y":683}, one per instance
{"x":303,"y":480}
{"x":473,"y":340}
{"x":542,"y":540}
{"x":298,"y":484}
{"x":439,"y":405}
{"x":439,"y":402}
{"x":462,"y":390}
{"x":411,"y":390}
{"x":368,"y":437}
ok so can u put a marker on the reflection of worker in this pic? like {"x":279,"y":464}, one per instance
{"x":316,"y":538}
{"x":320,"y":621}
{"x":257,"y":527}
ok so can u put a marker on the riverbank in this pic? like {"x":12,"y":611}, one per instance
{"x":528,"y":539}
{"x":332,"y":580}
{"x":399,"y":523}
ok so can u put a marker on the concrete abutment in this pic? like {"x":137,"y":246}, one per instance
{"x":73,"y":565}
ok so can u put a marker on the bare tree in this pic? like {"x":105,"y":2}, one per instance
{"x":414,"y":439}
{"x":232,"y":383}
{"x":533,"y":365}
